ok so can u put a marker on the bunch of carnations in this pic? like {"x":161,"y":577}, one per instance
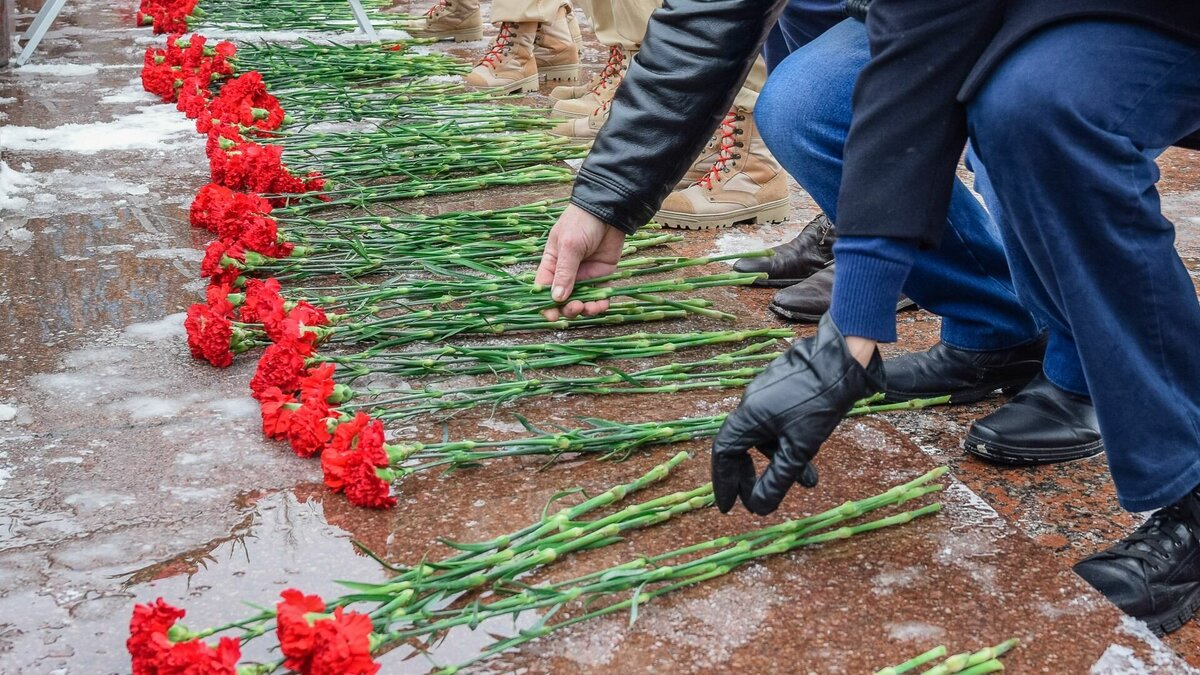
{"x":251,"y":167}
{"x":168,"y":16}
{"x":184,"y":69}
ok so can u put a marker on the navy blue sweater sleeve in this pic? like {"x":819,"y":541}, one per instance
{"x":869,"y":277}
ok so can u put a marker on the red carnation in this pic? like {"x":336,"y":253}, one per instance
{"x":277,"y":408}
{"x":209,"y":206}
{"x":343,"y":444}
{"x":217,"y":295}
{"x":308,"y":315}
{"x":260,"y":234}
{"x":363,"y":486}
{"x":308,"y":428}
{"x":293,"y":628}
{"x":317,"y":386}
{"x":210,"y":335}
{"x":212,"y":266}
{"x":281,"y":366}
{"x":193,"y":95}
{"x":240,"y":221}
{"x":263,"y":303}
{"x":342,"y":646}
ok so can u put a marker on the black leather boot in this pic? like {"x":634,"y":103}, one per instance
{"x":1041,"y":425}
{"x":963,"y":375}
{"x":1154,"y":573}
{"x":807,"y":301}
{"x":810,"y":252}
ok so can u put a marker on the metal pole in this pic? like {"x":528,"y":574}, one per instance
{"x":37,"y":30}
{"x":364,"y":23}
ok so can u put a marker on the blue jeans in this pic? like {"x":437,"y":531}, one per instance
{"x":802,"y":22}
{"x":1068,"y":127}
{"x":804,"y":114}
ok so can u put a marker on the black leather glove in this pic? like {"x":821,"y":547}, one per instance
{"x":787,"y":413}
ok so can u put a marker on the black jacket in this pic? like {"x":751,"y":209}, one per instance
{"x":697,"y":52}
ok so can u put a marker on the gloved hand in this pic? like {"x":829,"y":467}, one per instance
{"x":787,"y":413}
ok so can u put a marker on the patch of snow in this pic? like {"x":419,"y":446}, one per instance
{"x":5,"y":100}
{"x":497,"y":425}
{"x":186,"y":254}
{"x":8,"y":413}
{"x":58,"y":69}
{"x":167,"y":328}
{"x":151,"y":128}
{"x":914,"y":631}
{"x":134,"y":93}
{"x":12,"y":183}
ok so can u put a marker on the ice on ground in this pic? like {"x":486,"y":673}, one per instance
{"x":8,"y":413}
{"x":151,"y":128}
{"x":134,"y":93}
{"x":5,"y":100}
{"x":915,"y":631}
{"x":186,"y":254}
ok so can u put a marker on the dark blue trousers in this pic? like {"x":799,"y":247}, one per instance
{"x":1068,"y":128}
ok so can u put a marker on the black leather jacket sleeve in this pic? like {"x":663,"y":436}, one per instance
{"x":695,"y":55}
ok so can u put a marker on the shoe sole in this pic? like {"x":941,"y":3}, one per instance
{"x":962,"y":396}
{"x":522,"y":86}
{"x":800,"y":317}
{"x":466,"y":35}
{"x":566,"y":74}
{"x":998,"y":453}
{"x":1173,"y":620}
{"x":772,"y":212}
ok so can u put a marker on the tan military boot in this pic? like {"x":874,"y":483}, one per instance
{"x":457,"y":20}
{"x":605,"y":88}
{"x":584,"y":128}
{"x":554,"y":49}
{"x":744,"y":185}
{"x":704,"y":162}
{"x":508,"y":65}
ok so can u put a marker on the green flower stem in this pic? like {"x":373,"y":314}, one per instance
{"x":915,"y":662}
{"x":980,"y":659}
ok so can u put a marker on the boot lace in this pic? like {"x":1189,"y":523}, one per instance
{"x":500,"y":45}
{"x":437,"y":8}
{"x":727,"y":144}
{"x":1148,"y":543}
{"x":612,"y":69}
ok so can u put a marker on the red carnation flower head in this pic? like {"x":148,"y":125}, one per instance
{"x":209,"y":206}
{"x":261,"y":235}
{"x":337,"y":453}
{"x":294,"y":628}
{"x":342,"y":645}
{"x":363,"y":485}
{"x":308,"y":429}
{"x":276,"y":408}
{"x":281,"y":366}
{"x":309,"y":315}
{"x":154,"y":652}
{"x":263,"y":303}
{"x":217,"y":296}
{"x":223,"y":261}
{"x":317,"y":386}
{"x":210,"y":335}
{"x":193,"y":96}
{"x":221,"y":133}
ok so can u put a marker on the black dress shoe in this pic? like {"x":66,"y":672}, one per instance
{"x":807,"y":301}
{"x":1041,"y":425}
{"x":962,"y":375}
{"x":1154,"y":573}
{"x":810,"y":252}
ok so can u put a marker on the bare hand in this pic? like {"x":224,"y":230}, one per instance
{"x":580,"y":246}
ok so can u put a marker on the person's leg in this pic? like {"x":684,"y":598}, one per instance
{"x":1068,"y":128}
{"x":804,"y":112}
{"x":801,"y":22}
{"x":521,"y":11}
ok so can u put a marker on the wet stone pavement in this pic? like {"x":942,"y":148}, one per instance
{"x":129,"y":471}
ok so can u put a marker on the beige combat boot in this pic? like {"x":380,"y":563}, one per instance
{"x":572,"y":102}
{"x":554,"y":48}
{"x":744,"y":185}
{"x":704,"y":162}
{"x":457,"y":20}
{"x":508,"y":65}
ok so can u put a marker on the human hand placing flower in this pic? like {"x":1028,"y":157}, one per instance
{"x":580,"y":246}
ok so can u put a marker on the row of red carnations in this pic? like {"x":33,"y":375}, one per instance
{"x":298,"y":401}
